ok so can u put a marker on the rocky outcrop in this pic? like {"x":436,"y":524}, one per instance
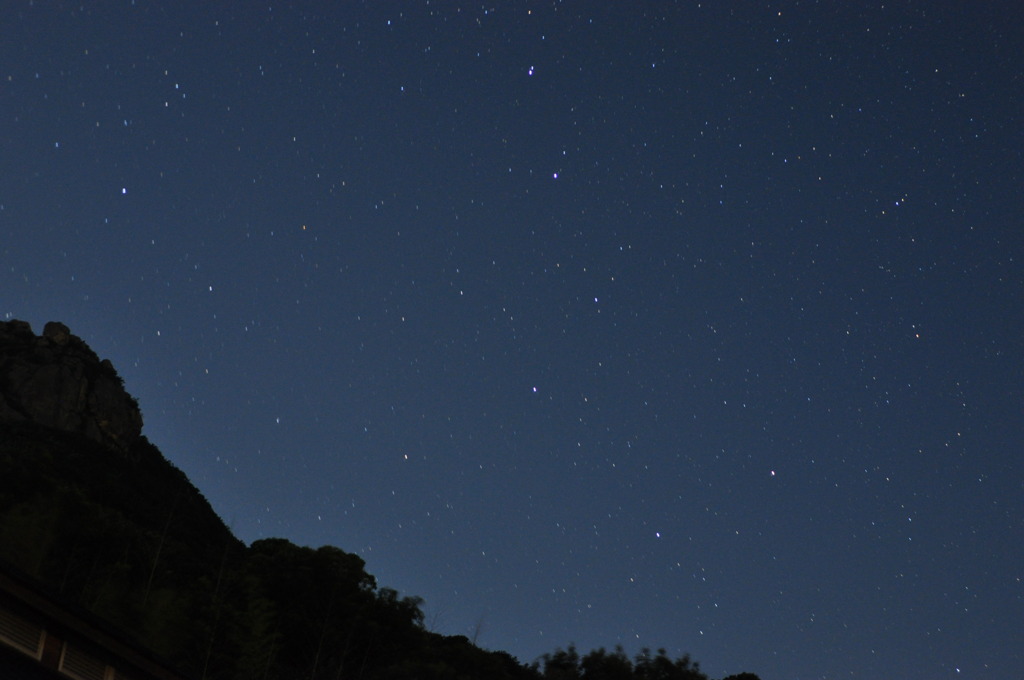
{"x":57,"y":381}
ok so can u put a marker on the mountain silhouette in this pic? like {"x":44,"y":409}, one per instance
{"x":99,"y":522}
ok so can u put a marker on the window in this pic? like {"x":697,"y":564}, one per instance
{"x":81,"y":666}
{"x":21,"y":634}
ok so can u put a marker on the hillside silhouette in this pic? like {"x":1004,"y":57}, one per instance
{"x":93,"y":513}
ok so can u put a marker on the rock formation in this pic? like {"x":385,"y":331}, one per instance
{"x":56,"y":380}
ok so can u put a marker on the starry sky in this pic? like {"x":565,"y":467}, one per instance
{"x":695,"y":325}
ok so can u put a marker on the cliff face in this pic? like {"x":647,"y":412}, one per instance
{"x":57,"y":381}
{"x":93,"y":512}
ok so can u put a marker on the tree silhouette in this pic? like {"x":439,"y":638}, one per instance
{"x":129,"y":538}
{"x":661,"y":667}
{"x":600,"y":665}
{"x":563,"y":664}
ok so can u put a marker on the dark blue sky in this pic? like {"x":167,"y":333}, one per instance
{"x":684,"y":325}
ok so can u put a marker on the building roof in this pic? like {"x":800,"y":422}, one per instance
{"x":78,"y":633}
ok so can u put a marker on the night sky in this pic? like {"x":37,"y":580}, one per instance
{"x":684,"y":325}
